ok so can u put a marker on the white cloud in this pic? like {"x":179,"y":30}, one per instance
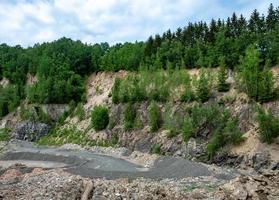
{"x":27,"y":22}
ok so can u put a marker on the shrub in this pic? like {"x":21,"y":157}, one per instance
{"x":43,"y":116}
{"x":115,"y":91}
{"x":232,"y":132}
{"x":188,"y":127}
{"x":203,"y":87}
{"x":256,"y":81}
{"x":5,"y":135}
{"x":223,"y":128}
{"x":72,"y":135}
{"x":129,"y":116}
{"x":9,"y":99}
{"x":187,"y":94}
{"x":156,"y":149}
{"x":215,"y":143}
{"x":100,"y":117}
{"x":80,"y":113}
{"x":137,"y":93}
{"x":173,"y":122}
{"x":223,"y":86}
{"x":268,"y":126}
{"x":154,"y":117}
{"x":25,"y":114}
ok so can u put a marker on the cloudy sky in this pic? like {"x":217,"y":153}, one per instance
{"x":27,"y":22}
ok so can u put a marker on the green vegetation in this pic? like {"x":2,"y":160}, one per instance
{"x":222,"y":76}
{"x":115,"y":91}
{"x":79,"y":112}
{"x":268,"y":125}
{"x":71,"y":135}
{"x":61,"y":66}
{"x":9,"y":99}
{"x":100,"y":117}
{"x":188,"y":128}
{"x":256,"y":81}
{"x":155,"y":118}
{"x":156,"y":149}
{"x":35,"y":113}
{"x":5,"y":134}
{"x":130,"y":115}
{"x":230,"y":134}
{"x":159,"y":86}
{"x":173,"y":121}
{"x":203,"y":86}
{"x":212,"y":122}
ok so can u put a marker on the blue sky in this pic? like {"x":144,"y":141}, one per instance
{"x":27,"y":22}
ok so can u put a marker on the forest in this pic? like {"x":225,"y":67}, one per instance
{"x":248,"y":46}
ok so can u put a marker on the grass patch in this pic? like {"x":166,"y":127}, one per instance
{"x":5,"y":134}
{"x":268,"y":125}
{"x":71,"y":135}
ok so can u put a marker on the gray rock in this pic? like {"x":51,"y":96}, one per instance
{"x":275,"y":166}
{"x":30,"y":131}
{"x":260,"y":161}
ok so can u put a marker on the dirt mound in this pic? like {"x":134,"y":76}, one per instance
{"x":99,"y":86}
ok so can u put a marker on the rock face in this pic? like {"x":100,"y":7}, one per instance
{"x":260,"y":187}
{"x":30,"y":131}
{"x":40,"y":184}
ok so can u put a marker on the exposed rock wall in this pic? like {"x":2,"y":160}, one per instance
{"x":30,"y":131}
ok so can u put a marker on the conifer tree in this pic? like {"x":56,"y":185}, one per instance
{"x":222,"y":76}
{"x":203,"y":86}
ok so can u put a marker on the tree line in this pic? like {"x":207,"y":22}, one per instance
{"x":62,"y":66}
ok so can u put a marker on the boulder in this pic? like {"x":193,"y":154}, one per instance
{"x":30,"y":131}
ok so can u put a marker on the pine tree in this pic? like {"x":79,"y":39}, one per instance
{"x":266,"y":86}
{"x":250,"y":71}
{"x":203,"y":87}
{"x":222,"y":76}
{"x":271,"y":18}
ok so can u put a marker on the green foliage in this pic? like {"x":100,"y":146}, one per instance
{"x":5,"y":135}
{"x":130,"y":115}
{"x":173,"y":121}
{"x":155,"y":118}
{"x":123,"y":56}
{"x":188,"y":129}
{"x":223,"y":86}
{"x":25,"y":113}
{"x":232,"y":133}
{"x":115,"y":91}
{"x":79,"y":112}
{"x":184,"y":79}
{"x":215,"y":143}
{"x":71,"y":135}
{"x":99,"y":117}
{"x":60,"y":87}
{"x":43,"y":116}
{"x":159,"y":86}
{"x":266,"y":86}
{"x":221,"y":126}
{"x":62,"y":66}
{"x":258,"y":83}
{"x":9,"y":99}
{"x":156,"y":149}
{"x":203,"y":86}
{"x":268,"y":125}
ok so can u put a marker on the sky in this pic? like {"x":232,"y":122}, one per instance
{"x":27,"y":22}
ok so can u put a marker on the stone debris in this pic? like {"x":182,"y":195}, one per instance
{"x":260,"y":187}
{"x":30,"y":131}
{"x":18,"y":183}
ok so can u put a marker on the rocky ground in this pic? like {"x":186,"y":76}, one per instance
{"x":21,"y":182}
{"x":130,"y":172}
